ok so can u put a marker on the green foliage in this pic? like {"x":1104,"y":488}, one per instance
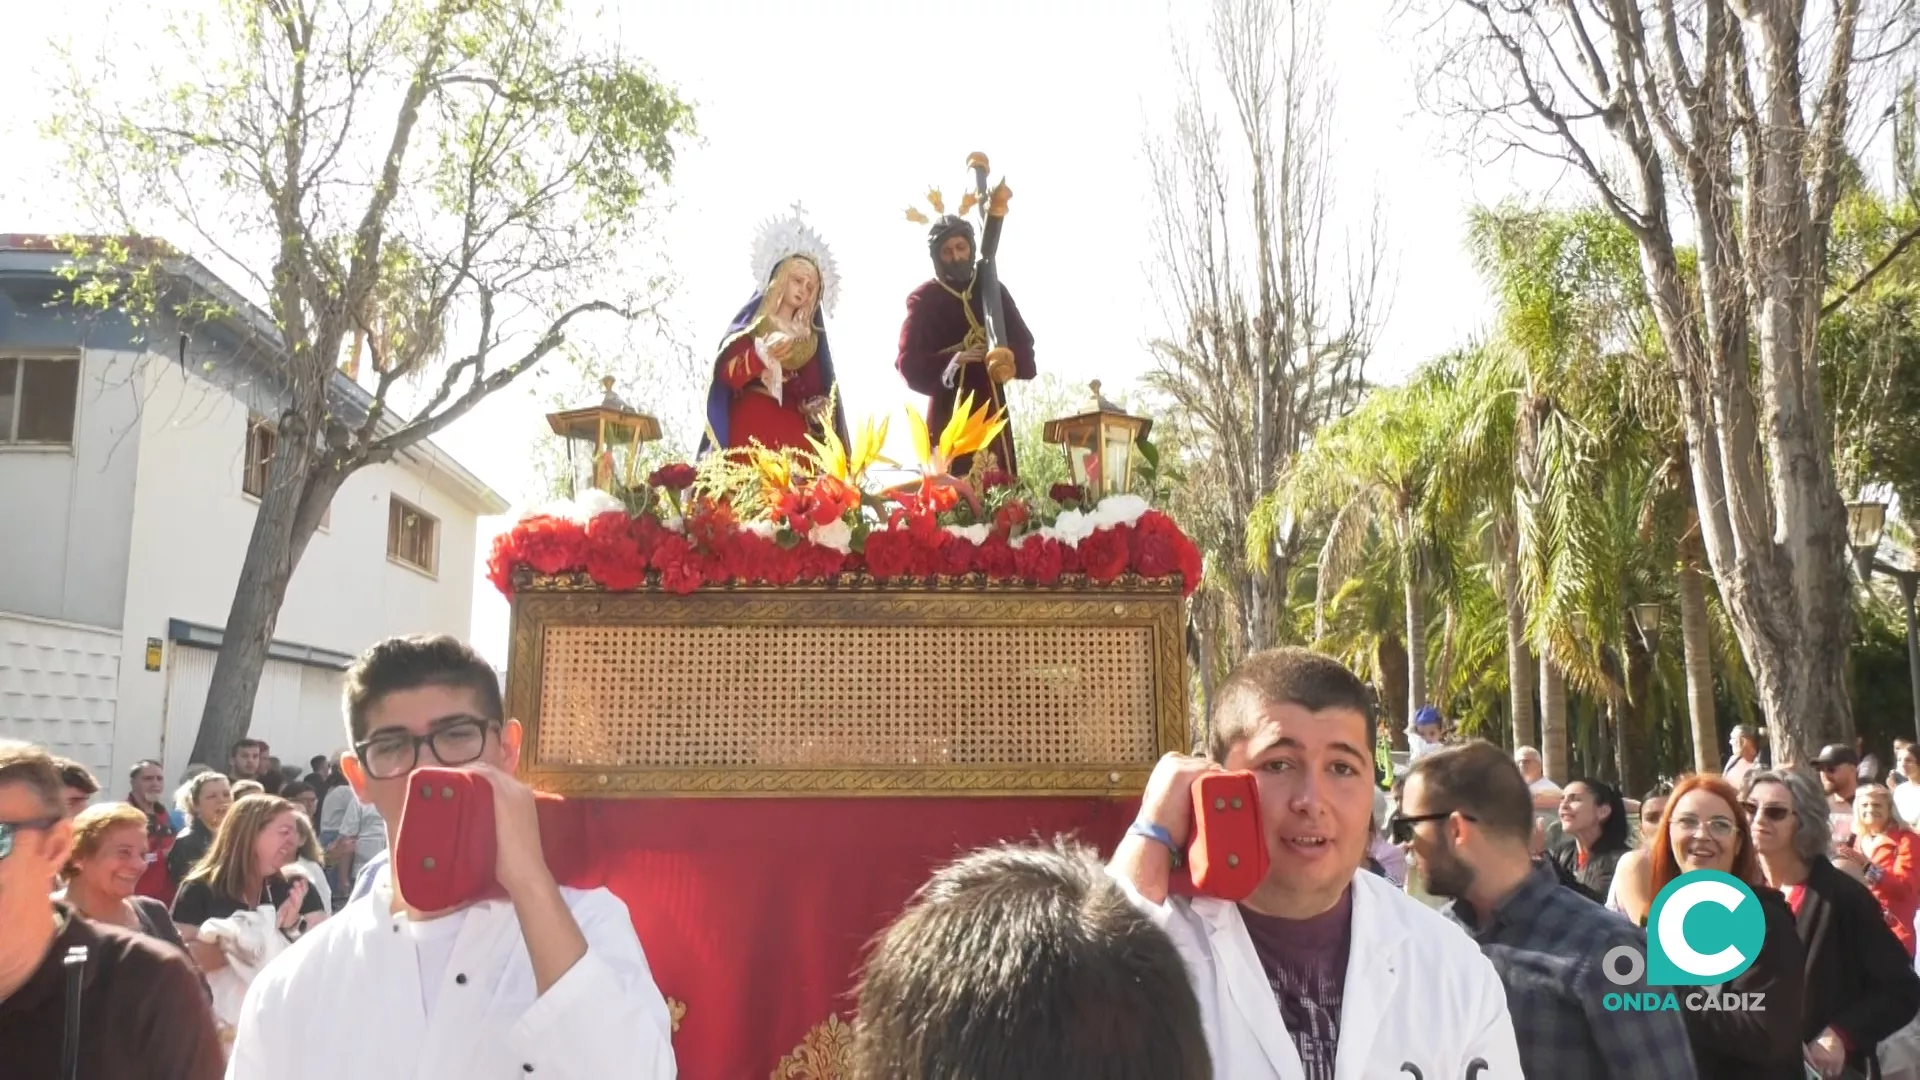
{"x":1870,"y":346}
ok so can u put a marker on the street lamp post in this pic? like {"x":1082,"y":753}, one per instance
{"x":1866,"y":522}
{"x":1646,"y":619}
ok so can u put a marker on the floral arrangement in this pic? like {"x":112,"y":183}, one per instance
{"x":765,"y":517}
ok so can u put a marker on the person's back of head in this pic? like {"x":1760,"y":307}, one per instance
{"x":1026,"y":963}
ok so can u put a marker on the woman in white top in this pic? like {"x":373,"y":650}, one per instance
{"x":308,"y":863}
{"x":1906,"y":797}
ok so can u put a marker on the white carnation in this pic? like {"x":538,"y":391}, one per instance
{"x":972,"y":534}
{"x":836,"y":534}
{"x":1119,"y":510}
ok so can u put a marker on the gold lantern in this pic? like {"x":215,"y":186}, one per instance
{"x":1099,"y":444}
{"x":613,"y":429}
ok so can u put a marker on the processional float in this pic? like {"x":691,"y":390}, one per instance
{"x":777,"y":701}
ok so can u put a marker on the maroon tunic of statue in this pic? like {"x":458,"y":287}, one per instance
{"x":935,"y":329}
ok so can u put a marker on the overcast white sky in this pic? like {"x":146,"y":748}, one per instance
{"x":888,"y":98}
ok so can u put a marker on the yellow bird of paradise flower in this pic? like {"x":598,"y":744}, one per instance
{"x":851,"y":468}
{"x":968,"y":431}
{"x":775,"y":469}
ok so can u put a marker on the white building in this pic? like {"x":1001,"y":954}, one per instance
{"x":127,"y":460}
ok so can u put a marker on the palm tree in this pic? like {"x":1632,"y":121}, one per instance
{"x":1373,"y":468}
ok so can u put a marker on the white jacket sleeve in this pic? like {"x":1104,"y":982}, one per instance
{"x":251,"y":1056}
{"x":605,"y":1017}
{"x":1492,"y":1039}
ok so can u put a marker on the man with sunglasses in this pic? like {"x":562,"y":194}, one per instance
{"x":1467,"y":819}
{"x":143,"y":1014}
{"x":547,"y":982}
{"x":1839,"y":766}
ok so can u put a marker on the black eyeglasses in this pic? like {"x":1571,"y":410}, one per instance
{"x":456,"y":741}
{"x":1771,"y":813}
{"x":1400,"y":829}
{"x":10,"y":829}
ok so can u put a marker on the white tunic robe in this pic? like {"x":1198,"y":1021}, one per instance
{"x":345,"y":1001}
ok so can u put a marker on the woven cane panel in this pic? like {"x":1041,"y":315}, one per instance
{"x":689,"y":697}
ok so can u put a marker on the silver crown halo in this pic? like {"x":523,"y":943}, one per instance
{"x":782,"y":237}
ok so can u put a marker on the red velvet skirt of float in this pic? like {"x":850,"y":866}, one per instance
{"x":756,"y":914}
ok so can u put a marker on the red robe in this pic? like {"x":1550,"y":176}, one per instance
{"x":932,"y":333}
{"x":754,"y":415}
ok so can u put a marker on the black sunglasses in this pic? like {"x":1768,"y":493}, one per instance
{"x":10,"y":829}
{"x":1771,"y":813}
{"x":1400,"y":829}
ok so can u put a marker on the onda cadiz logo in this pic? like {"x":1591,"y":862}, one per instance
{"x":1705,"y":928}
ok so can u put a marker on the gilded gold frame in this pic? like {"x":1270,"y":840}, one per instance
{"x":541,"y":603}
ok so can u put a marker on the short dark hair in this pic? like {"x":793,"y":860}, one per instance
{"x":75,"y":775}
{"x":1026,"y":963}
{"x":245,"y":744}
{"x":25,"y":763}
{"x":296,"y":788}
{"x":1285,"y":676}
{"x":317,"y":761}
{"x":1479,"y":780}
{"x":133,"y":774}
{"x":409,"y":663}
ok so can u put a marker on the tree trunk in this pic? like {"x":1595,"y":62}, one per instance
{"x":298,"y":491}
{"x":1553,"y":722}
{"x":1416,"y":644}
{"x":1696,"y":643}
{"x":1635,"y":728}
{"x":1519,"y":657}
{"x":1391,"y":663}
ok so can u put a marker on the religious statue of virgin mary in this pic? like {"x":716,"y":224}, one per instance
{"x":773,"y":381}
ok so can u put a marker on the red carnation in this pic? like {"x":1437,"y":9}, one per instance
{"x":613,"y":558}
{"x":682,"y":569}
{"x":676,"y":477}
{"x":500,"y":562}
{"x":1071,"y":561}
{"x":1104,"y":555}
{"x":955,"y":558}
{"x":995,"y":557}
{"x":1161,"y":550}
{"x":1010,"y":517}
{"x":1038,"y":560}
{"x":890,"y":554}
{"x":925,"y":530}
{"x":995,"y":478}
{"x":709,"y":524}
{"x":551,"y":545}
{"x":1066,"y":494}
{"x":819,"y":563}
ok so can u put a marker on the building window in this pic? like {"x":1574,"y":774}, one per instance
{"x":413,"y":536}
{"x":37,"y":399}
{"x":260,"y":440}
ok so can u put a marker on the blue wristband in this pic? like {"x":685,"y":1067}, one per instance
{"x":1161,"y":836}
{"x":1152,"y":832}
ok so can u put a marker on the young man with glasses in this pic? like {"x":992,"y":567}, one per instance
{"x":1468,"y":819}
{"x":143,"y":1014}
{"x":548,"y":982}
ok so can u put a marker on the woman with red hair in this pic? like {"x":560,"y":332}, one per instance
{"x":1705,"y":828}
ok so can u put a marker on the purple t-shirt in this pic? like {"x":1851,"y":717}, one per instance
{"x":1306,"y":964}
